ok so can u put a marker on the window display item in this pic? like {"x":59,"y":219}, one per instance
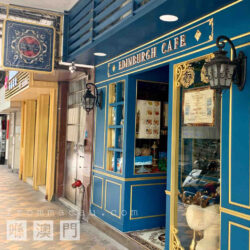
{"x":145,"y":151}
{"x":206,"y":220}
{"x":119,"y":164}
{"x":155,"y":155}
{"x":162,"y":164}
{"x":148,"y":119}
{"x":113,"y":163}
{"x":137,"y":152}
{"x":113,"y":114}
{"x":143,"y":161}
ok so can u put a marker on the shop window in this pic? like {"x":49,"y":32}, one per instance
{"x":151,"y":128}
{"x":198,"y":216}
{"x":115,"y":127}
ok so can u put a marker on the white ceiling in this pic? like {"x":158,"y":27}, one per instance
{"x":53,"y":5}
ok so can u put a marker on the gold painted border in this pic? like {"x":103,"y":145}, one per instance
{"x":175,"y":144}
{"x":153,"y":82}
{"x":131,"y":201}
{"x":129,"y":179}
{"x":195,"y":21}
{"x":92,"y":202}
{"x":230,"y":144}
{"x":230,"y":224}
{"x":175,"y":140}
{"x":235,"y":213}
{"x":29,"y":70}
{"x":174,"y":152}
{"x":104,"y":142}
{"x":167,"y":192}
{"x":210,"y":38}
{"x":172,"y":59}
{"x":120,"y":201}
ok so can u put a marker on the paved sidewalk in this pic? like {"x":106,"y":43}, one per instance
{"x":18,"y":201}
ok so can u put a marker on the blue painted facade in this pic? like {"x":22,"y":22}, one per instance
{"x":130,"y":201}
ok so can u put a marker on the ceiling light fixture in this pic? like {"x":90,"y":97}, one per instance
{"x":169,"y":18}
{"x":100,"y":54}
{"x":72,"y":68}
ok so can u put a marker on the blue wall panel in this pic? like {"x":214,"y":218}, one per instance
{"x":97,"y":194}
{"x":113,"y":198}
{"x":240,"y":132}
{"x":235,"y":232}
{"x":100,"y":131}
{"x":148,"y":200}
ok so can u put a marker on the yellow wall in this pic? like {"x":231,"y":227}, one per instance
{"x":51,"y":160}
{"x":41,"y":141}
{"x":28,"y":138}
{"x":38,"y":138}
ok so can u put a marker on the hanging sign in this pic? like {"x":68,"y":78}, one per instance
{"x":164,"y":47}
{"x":28,"y":46}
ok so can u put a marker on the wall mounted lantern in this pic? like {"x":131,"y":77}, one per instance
{"x":89,"y":100}
{"x":221,"y":71}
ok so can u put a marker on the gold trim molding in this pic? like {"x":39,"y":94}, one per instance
{"x":167,"y":192}
{"x":185,"y":75}
{"x":129,"y":179}
{"x":185,"y":72}
{"x":235,"y":213}
{"x":175,"y":241}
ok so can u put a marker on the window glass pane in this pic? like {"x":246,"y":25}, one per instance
{"x":110,"y":160}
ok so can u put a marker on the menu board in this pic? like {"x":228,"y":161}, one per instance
{"x":148,"y":119}
{"x":198,"y":107}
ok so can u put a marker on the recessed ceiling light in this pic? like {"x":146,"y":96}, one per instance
{"x":99,"y":54}
{"x":169,"y":18}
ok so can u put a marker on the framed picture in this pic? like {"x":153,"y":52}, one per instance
{"x":198,"y":107}
{"x":148,"y":119}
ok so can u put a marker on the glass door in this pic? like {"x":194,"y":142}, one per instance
{"x":196,"y":221}
{"x":75,"y":140}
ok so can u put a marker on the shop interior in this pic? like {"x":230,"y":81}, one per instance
{"x":151,"y":127}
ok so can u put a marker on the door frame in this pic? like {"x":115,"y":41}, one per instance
{"x":178,"y":69}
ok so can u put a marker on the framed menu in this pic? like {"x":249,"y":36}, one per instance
{"x":199,"y":107}
{"x":148,"y":119}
